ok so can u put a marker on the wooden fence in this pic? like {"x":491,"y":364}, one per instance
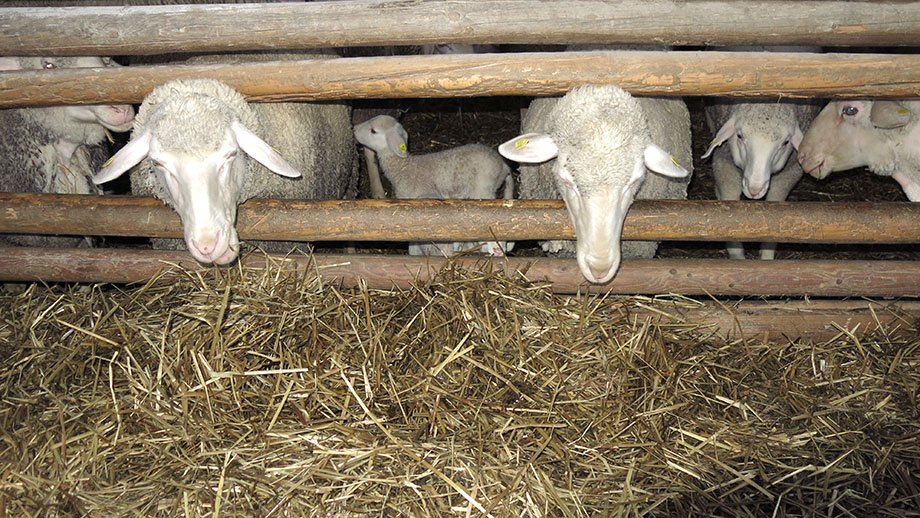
{"x":119,"y":30}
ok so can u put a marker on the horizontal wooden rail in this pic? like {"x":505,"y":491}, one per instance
{"x":162,"y":29}
{"x":695,"y":73}
{"x":644,"y":276}
{"x":459,"y":220}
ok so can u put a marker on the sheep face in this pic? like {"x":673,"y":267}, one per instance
{"x":761,"y":136}
{"x":384,"y":135}
{"x":115,"y":117}
{"x":602,"y":146}
{"x":851,"y":133}
{"x":198,"y":151}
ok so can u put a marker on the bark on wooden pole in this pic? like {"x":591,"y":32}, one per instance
{"x":744,"y":74}
{"x":641,"y":276}
{"x":125,"y":30}
{"x":459,"y":220}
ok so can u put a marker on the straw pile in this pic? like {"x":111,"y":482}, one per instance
{"x":233,"y":392}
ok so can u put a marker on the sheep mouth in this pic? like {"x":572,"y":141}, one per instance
{"x":815,"y":170}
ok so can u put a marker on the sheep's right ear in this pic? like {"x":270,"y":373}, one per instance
{"x":888,"y":114}
{"x":262,"y":152}
{"x":725,"y":132}
{"x":529,"y":148}
{"x":127,"y":157}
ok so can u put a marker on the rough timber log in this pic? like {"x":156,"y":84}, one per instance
{"x":465,"y":220}
{"x":646,"y":276}
{"x":470,"y":75}
{"x":124,"y":30}
{"x":814,"y":319}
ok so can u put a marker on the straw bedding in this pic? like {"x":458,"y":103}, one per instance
{"x":262,"y":392}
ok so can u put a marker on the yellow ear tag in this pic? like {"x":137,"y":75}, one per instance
{"x":521,"y":143}
{"x":674,"y":160}
{"x":402,"y":147}
{"x":902,"y":110}
{"x":109,"y":161}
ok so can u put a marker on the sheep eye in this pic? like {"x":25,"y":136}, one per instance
{"x":373,"y":131}
{"x":740,"y":136}
{"x":785,"y":143}
{"x":850,"y":110}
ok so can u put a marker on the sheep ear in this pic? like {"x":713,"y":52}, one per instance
{"x":126,"y":158}
{"x":725,"y":132}
{"x":662,"y":162}
{"x":530,"y":148}
{"x":262,"y":152}
{"x":397,"y":140}
{"x":797,"y":138}
{"x":888,"y":114}
{"x":9,"y":63}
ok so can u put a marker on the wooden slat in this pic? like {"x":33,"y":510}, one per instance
{"x":161,"y":29}
{"x":468,"y":220}
{"x":814,"y":319}
{"x":645,"y":276}
{"x":533,"y":74}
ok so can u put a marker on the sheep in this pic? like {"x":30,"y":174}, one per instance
{"x":384,"y":107}
{"x":473,"y":171}
{"x":882,"y":135}
{"x":195,"y":134}
{"x":55,"y":149}
{"x":761,"y":136}
{"x":603,"y":140}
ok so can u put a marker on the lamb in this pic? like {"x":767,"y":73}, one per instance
{"x":882,"y":135}
{"x":761,"y":136}
{"x":473,"y":171}
{"x":603,"y":140}
{"x":196,"y":133}
{"x":55,"y":149}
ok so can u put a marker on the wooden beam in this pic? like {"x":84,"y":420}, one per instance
{"x":123,"y":30}
{"x":808,"y":319}
{"x":459,"y":220}
{"x":641,"y":276}
{"x":739,"y":74}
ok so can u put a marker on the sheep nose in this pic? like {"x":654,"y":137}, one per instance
{"x":205,"y":247}
{"x":599,"y":268}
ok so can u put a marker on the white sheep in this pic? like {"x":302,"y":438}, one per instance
{"x":883,"y":135}
{"x":761,"y":136}
{"x":362,"y":114}
{"x":55,"y":149}
{"x":473,"y":171}
{"x":603,"y":140}
{"x":196,"y":135}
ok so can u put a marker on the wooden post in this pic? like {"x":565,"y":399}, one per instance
{"x":470,"y":75}
{"x":124,"y":30}
{"x":468,"y":220}
{"x":642,"y":276}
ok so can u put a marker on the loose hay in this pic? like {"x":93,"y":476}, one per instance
{"x":261,"y":392}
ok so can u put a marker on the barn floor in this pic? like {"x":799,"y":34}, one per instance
{"x":262,"y":392}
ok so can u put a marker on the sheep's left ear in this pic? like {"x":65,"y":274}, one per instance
{"x":530,"y":148}
{"x":262,"y":152}
{"x":888,"y":114}
{"x":662,"y":162}
{"x":397,"y":141}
